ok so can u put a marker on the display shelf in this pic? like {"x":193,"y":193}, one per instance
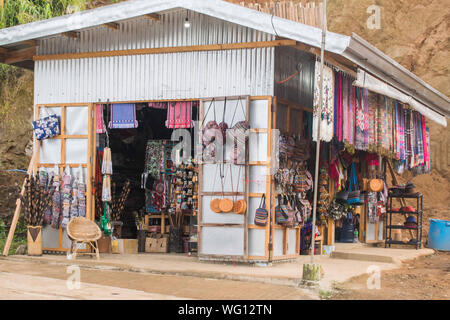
{"x":417,"y":241}
{"x":403,"y":227}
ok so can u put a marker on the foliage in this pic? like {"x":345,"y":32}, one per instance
{"x":24,"y":11}
{"x":20,"y":236}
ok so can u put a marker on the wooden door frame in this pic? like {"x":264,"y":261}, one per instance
{"x":89,"y":162}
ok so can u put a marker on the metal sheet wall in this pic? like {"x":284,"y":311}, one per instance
{"x":158,"y":76}
{"x":299,"y":89}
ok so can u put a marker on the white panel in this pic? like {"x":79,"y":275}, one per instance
{"x":370,"y":233}
{"x":380,"y":230}
{"x":50,"y":237}
{"x":292,"y":240}
{"x":208,"y":216}
{"x":258,"y":114}
{"x":44,"y":112}
{"x":50,"y":151}
{"x":222,"y":241}
{"x":257,"y":179}
{"x":256,"y":242}
{"x":76,"y":150}
{"x":77,"y":120}
{"x":233,"y":177}
{"x":257,"y":146}
{"x":278,"y":242}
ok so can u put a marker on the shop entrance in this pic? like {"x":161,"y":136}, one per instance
{"x":150,"y":191}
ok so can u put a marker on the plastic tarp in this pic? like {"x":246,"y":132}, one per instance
{"x":365,"y":80}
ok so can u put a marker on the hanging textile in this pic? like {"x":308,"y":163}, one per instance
{"x":179,"y":115}
{"x":81,"y":199}
{"x":74,"y":204}
{"x":345,"y":99}
{"x":154,"y":158}
{"x":359,"y":118}
{"x":365,"y":102}
{"x":123,"y":116}
{"x":157,"y":105}
{"x":66,"y":197}
{"x":107,"y":161}
{"x":326,"y":117}
{"x":426,"y":155}
{"x":99,"y":119}
{"x":338,"y":112}
{"x":56,"y":203}
{"x":372,"y":106}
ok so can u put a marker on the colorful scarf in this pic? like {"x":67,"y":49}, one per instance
{"x":123,"y":116}
{"x":326,"y":117}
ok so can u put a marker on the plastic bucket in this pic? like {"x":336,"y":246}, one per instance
{"x":439,"y":235}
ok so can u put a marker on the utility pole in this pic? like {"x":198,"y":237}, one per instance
{"x":312,"y":272}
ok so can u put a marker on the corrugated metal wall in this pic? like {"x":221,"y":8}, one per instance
{"x":161,"y":76}
{"x":299,"y":89}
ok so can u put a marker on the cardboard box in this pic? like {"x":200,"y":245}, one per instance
{"x":125,"y":246}
{"x":157,"y":244}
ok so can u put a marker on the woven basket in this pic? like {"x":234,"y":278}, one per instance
{"x":226,"y":205}
{"x":214,"y":205}
{"x":82,"y":229}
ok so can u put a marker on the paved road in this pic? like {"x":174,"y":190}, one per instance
{"x":28,"y":280}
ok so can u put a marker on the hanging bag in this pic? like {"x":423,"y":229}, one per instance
{"x":261,"y":214}
{"x":281,"y":215}
{"x":47,"y":127}
{"x":354,"y":195}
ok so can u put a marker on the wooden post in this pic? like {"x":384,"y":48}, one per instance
{"x":13,"y":226}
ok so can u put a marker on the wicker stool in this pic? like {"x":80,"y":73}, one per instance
{"x":81,"y":230}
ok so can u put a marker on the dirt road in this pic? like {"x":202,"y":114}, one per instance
{"x":28,"y":280}
{"x":425,"y":278}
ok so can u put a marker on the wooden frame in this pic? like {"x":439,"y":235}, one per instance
{"x":90,"y":137}
{"x":162,"y":50}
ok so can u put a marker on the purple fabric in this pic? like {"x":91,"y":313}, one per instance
{"x":123,"y":116}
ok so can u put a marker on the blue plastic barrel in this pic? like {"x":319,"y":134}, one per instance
{"x":439,"y":235}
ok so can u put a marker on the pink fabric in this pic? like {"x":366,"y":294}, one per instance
{"x":99,"y":116}
{"x":179,"y":115}
{"x":425,"y":141}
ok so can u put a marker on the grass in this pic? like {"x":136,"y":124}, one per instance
{"x":20,"y":236}
{"x":325,"y":294}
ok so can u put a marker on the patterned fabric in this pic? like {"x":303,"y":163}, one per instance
{"x":326,"y":117}
{"x":123,"y":116}
{"x":99,"y":119}
{"x":154,"y":158}
{"x":47,"y":127}
{"x":179,"y":115}
{"x":360,"y":120}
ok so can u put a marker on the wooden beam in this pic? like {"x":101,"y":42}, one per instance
{"x":19,"y":55}
{"x":131,"y":52}
{"x":12,"y":228}
{"x":71,"y":34}
{"x":112,"y":25}
{"x":153,"y":16}
{"x":328,"y":57}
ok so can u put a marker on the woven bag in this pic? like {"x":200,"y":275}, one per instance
{"x":261,"y":213}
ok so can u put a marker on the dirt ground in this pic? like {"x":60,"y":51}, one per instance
{"x":426,"y":278}
{"x":163,"y":285}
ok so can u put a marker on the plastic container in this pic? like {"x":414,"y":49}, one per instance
{"x":439,"y":235}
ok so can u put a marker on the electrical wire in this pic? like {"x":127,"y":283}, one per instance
{"x":271,"y":19}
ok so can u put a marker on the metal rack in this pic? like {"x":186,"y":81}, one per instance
{"x":418,"y":213}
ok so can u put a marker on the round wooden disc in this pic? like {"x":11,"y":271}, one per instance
{"x":214,"y":205}
{"x":226,"y":205}
{"x":240,"y":206}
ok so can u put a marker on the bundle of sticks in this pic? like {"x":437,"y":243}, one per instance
{"x":176,"y":222}
{"x":36,"y":200}
{"x":118,"y":202}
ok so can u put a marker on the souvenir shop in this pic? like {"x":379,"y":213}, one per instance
{"x":204,"y":142}
{"x":366,"y":136}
